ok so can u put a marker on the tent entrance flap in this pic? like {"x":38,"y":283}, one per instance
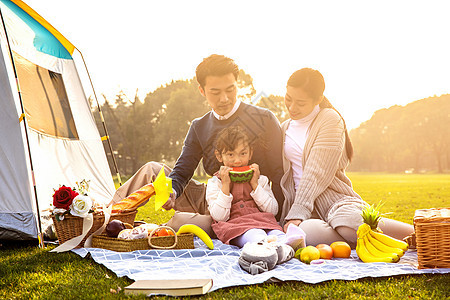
{"x":45,"y":100}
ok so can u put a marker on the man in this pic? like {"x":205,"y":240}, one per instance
{"x":217,"y":77}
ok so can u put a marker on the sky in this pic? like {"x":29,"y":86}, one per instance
{"x":372,"y":54}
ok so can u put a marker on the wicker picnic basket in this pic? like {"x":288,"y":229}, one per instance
{"x":72,"y":226}
{"x":181,"y":241}
{"x":432,"y":227}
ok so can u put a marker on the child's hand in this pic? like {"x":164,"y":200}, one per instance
{"x":294,"y":222}
{"x":224,"y":175}
{"x":255,"y":177}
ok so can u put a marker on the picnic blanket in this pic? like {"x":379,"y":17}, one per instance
{"x":221,"y":264}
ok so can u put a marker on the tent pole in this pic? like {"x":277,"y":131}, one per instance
{"x":106,"y":137}
{"x":22,"y":117}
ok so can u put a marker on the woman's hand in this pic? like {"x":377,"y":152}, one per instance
{"x":294,"y":221}
{"x":224,"y":175}
{"x":255,"y":177}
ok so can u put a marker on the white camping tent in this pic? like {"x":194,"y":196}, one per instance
{"x":48,"y":135}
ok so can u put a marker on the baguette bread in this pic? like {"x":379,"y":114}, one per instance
{"x":135,"y":199}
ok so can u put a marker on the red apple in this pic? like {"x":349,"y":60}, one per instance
{"x":326,"y":252}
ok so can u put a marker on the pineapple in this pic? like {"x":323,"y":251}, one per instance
{"x":371,"y":216}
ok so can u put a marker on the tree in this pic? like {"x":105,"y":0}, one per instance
{"x":152,"y":112}
{"x":133,"y":132}
{"x":401,"y":137}
{"x":245,"y":86}
{"x":276,"y":105}
{"x":183,"y":106}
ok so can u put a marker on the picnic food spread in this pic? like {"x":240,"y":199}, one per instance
{"x":123,"y":237}
{"x":121,"y":230}
{"x":154,"y":236}
{"x":241,"y":174}
{"x":374,"y":246}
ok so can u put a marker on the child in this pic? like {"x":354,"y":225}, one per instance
{"x":242,"y":212}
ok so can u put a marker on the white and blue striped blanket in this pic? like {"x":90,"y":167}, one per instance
{"x":221,"y":264}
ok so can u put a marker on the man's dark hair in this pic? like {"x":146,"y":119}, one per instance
{"x":215,"y":65}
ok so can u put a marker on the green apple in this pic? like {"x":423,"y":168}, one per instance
{"x":298,"y":253}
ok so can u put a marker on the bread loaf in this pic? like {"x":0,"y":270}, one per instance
{"x":135,"y":199}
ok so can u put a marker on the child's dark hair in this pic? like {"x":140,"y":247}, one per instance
{"x":229,"y":138}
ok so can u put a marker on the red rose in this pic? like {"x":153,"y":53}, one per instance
{"x":63,"y":197}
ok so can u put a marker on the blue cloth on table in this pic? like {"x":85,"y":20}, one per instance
{"x":221,"y":264}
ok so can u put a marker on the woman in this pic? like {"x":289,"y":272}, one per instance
{"x":319,"y":197}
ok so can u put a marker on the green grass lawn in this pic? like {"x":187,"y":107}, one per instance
{"x":33,"y":273}
{"x":402,"y":194}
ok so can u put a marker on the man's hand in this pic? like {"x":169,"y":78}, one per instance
{"x":295,"y":222}
{"x":170,"y":203}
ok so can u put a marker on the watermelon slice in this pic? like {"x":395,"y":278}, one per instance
{"x":241,"y":174}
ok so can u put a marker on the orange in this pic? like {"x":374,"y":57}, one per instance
{"x":163,"y":232}
{"x":326,"y":252}
{"x":341,"y":249}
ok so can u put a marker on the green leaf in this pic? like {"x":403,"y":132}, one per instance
{"x":371,"y":215}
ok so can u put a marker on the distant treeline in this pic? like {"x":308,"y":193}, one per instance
{"x":415,"y":136}
{"x":411,"y":138}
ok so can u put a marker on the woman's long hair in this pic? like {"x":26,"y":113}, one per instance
{"x":312,"y":83}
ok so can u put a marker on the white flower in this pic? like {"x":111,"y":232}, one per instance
{"x":59,"y":213}
{"x":80,"y":206}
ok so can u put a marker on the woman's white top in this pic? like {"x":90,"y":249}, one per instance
{"x":296,"y":136}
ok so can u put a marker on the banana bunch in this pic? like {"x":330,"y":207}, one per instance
{"x":373,"y":246}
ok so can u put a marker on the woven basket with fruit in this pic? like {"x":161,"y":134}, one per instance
{"x":123,"y":237}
